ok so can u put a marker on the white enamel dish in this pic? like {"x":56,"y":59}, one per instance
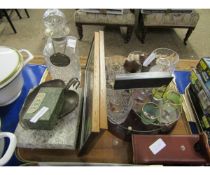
{"x":11,"y":80}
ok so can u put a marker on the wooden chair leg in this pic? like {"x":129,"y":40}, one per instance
{"x":138,"y":31}
{"x":141,"y":27}
{"x":27,"y":13}
{"x":9,"y":20}
{"x":128,"y":34}
{"x":20,"y":17}
{"x":143,"y":34}
{"x":189,"y":31}
{"x":80,"y":31}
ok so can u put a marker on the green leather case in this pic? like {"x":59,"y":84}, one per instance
{"x":49,"y":100}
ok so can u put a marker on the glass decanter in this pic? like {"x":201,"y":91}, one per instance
{"x":61,"y":51}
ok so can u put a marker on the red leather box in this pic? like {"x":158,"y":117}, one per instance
{"x":178,"y":149}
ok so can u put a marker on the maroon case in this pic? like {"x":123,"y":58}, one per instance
{"x":179,"y":149}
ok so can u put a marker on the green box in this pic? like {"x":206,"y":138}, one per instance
{"x":48,"y":103}
{"x":201,"y":90}
{"x":205,"y":122}
{"x":203,"y":68}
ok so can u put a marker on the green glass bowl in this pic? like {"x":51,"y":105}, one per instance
{"x":173,"y":97}
{"x":150,"y":113}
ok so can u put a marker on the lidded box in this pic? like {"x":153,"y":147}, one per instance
{"x":45,"y":108}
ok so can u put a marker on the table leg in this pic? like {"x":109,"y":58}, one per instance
{"x":27,"y":13}
{"x":189,"y":31}
{"x":9,"y":20}
{"x":143,"y":34}
{"x":20,"y":17}
{"x":141,"y":28}
{"x":80,"y":30}
{"x":128,"y":34}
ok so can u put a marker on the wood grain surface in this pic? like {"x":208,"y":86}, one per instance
{"x":96,"y":80}
{"x":102,"y":90}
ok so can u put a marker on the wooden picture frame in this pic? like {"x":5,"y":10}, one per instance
{"x":94,"y":114}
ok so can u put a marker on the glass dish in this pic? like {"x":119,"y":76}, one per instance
{"x":174,"y":98}
{"x":113,"y":67}
{"x":119,"y":104}
{"x":169,"y":114}
{"x":166,"y":60}
{"x":150,"y":113}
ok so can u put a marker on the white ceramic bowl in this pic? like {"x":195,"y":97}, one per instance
{"x":12,"y":91}
{"x":11,"y":80}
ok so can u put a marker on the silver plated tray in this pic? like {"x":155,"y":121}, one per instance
{"x":123,"y":116}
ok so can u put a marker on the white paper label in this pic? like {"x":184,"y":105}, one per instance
{"x":157,"y":146}
{"x":149,"y":59}
{"x":72,"y":43}
{"x":39,"y":114}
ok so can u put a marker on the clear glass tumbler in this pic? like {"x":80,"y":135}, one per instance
{"x":119,"y":104}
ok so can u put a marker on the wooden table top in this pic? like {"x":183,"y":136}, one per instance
{"x":109,"y":148}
